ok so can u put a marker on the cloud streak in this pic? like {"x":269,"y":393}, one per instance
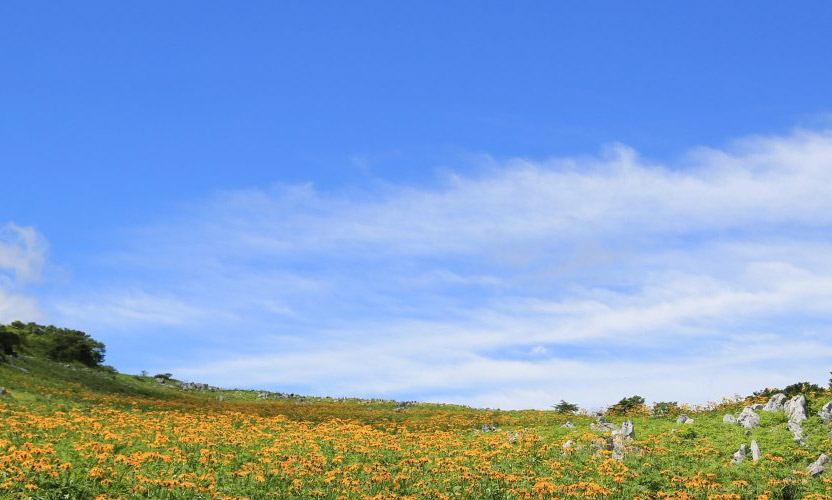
{"x":520,"y":284}
{"x":22,"y":259}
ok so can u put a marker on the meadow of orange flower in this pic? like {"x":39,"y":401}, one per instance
{"x":72,"y":432}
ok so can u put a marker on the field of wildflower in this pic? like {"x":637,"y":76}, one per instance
{"x":75,"y":434}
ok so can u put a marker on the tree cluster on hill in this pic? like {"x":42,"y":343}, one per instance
{"x":50,"y":342}
{"x":792,"y":389}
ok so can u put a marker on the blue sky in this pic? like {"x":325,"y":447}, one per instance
{"x":492,"y":203}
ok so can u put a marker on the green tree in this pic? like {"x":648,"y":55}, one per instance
{"x":9,"y":342}
{"x":665,"y":407}
{"x":57,"y":344}
{"x":565,"y":408}
{"x":627,"y":405}
{"x":791,"y":390}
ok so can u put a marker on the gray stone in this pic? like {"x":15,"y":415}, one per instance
{"x":825,"y":412}
{"x":729,"y":419}
{"x":739,"y":455}
{"x":775,"y":403}
{"x":681,"y":418}
{"x":816,"y":468}
{"x":758,"y":407}
{"x":627,"y":431}
{"x":797,"y":431}
{"x":601,"y":425}
{"x":568,"y":425}
{"x":619,"y":447}
{"x":489,"y":428}
{"x":748,"y":418}
{"x":755,"y":451}
{"x":220,"y":398}
{"x":795,"y":409}
{"x":688,"y":421}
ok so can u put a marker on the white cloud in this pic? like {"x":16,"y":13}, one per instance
{"x":22,"y":259}
{"x":527,"y":282}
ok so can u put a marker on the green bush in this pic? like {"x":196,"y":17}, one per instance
{"x":565,"y":408}
{"x":627,"y":405}
{"x":58,"y":344}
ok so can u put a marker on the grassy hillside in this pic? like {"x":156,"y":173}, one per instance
{"x":72,"y":431}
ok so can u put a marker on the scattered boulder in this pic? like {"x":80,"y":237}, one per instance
{"x":775,"y":403}
{"x":618,"y":447}
{"x":739,"y":455}
{"x":729,"y":419}
{"x":796,"y":409}
{"x":568,"y":425}
{"x":601,"y":425}
{"x":816,"y":468}
{"x":748,"y":418}
{"x":220,"y":398}
{"x":627,"y":431}
{"x":758,"y":407}
{"x":797,"y":431}
{"x":755,"y":451}
{"x":681,"y":418}
{"x":825,"y":413}
{"x":489,"y":428}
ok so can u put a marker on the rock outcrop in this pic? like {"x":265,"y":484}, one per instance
{"x":748,"y":418}
{"x":755,"y":451}
{"x":729,"y":419}
{"x":795,"y":409}
{"x":775,"y":403}
{"x":825,"y":412}
{"x":601,"y":425}
{"x":816,"y":468}
{"x":739,"y":455}
{"x":684,"y":419}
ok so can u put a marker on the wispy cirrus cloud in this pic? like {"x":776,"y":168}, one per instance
{"x":523,"y":283}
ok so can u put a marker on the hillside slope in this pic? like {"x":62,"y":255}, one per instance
{"x":72,"y":431}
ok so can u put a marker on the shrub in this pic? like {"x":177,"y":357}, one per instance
{"x":790,"y":390}
{"x":627,"y":405}
{"x":565,"y":408}
{"x":663,"y":408}
{"x":57,"y":344}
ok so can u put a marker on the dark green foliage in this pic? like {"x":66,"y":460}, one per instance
{"x":662,"y":408}
{"x":805,"y":388}
{"x":565,"y":408}
{"x":9,"y":343}
{"x":58,"y":344}
{"x":688,"y":433}
{"x":163,"y":376}
{"x":626,"y":405}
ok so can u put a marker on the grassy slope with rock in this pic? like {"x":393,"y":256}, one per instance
{"x":68,"y":430}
